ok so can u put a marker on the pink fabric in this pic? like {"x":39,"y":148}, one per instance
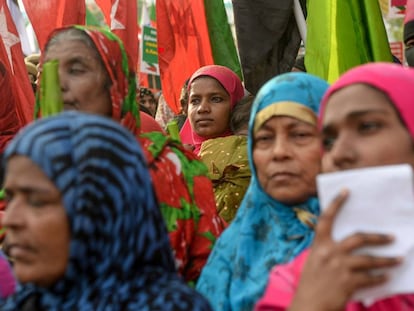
{"x":7,"y":280}
{"x":284,"y":280}
{"x":409,"y":11}
{"x":230,"y":82}
{"x":396,"y":81}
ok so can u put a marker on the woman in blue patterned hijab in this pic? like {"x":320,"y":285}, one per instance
{"x":111,"y":241}
{"x":275,"y":220}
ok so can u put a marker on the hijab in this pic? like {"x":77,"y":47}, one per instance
{"x":395,"y":81}
{"x":265,"y":232}
{"x":233,"y":86}
{"x":119,"y":254}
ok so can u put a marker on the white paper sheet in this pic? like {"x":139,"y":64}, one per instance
{"x":381,"y":200}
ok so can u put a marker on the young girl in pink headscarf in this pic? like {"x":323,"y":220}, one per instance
{"x":367,"y":119}
{"x":213,"y":92}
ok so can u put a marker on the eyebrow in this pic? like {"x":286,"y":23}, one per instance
{"x":29,"y":189}
{"x":357,"y":114}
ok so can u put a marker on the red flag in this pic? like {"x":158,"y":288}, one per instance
{"x":183,"y":44}
{"x":12,"y":58}
{"x":121,"y":15}
{"x":46,"y":15}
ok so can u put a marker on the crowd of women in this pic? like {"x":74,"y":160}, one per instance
{"x":106,"y":211}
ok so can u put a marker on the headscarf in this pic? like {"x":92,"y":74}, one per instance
{"x":119,"y":253}
{"x":233,"y":86}
{"x":123,"y":81}
{"x":395,"y":81}
{"x":265,"y":231}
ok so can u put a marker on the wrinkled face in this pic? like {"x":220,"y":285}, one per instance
{"x":149,"y":102}
{"x":361,"y":128}
{"x":287,"y":157}
{"x":38,"y":233}
{"x":83,"y":78}
{"x":209,"y":107}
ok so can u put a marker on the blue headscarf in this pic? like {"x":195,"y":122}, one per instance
{"x":265,"y":232}
{"x":119,"y":254}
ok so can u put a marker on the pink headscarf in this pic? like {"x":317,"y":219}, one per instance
{"x":230,"y":82}
{"x":395,"y":81}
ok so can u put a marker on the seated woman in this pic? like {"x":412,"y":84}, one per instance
{"x":227,"y":162}
{"x":84,"y":228}
{"x":212,"y":93}
{"x":275,"y":220}
{"x":96,"y":77}
{"x":367,"y":119}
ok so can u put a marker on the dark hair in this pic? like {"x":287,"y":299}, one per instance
{"x":241,"y":114}
{"x":184,"y":97}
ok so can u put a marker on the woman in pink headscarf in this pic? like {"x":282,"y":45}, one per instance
{"x":213,"y":92}
{"x":366,"y":119}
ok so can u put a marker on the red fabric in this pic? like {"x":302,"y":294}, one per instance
{"x":148,"y":124}
{"x":398,"y":2}
{"x":121,"y":16}
{"x":183,"y":44}
{"x":24,"y":105}
{"x":46,"y":15}
{"x":284,"y":280}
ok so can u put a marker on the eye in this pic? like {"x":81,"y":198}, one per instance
{"x":216,"y":99}
{"x":263,"y":140}
{"x":301,"y":136}
{"x":76,"y":69}
{"x":328,"y":142}
{"x":366,"y":127}
{"x":194,"y":101}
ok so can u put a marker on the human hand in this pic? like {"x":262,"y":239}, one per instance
{"x":333,"y":272}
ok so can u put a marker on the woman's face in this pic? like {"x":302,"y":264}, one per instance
{"x":208,"y":107}
{"x":38,"y":233}
{"x":83,"y":78}
{"x":287,"y":157}
{"x":360,"y":128}
{"x":149,"y":102}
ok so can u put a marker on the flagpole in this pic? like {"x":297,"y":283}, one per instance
{"x":300,"y":20}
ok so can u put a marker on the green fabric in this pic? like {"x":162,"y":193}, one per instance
{"x":342,"y":35}
{"x":221,"y":39}
{"x":50,"y":101}
{"x":228,"y":168}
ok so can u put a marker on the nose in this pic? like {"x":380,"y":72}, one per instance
{"x":281,"y":148}
{"x":342,"y":155}
{"x":204,"y":106}
{"x":13,"y":215}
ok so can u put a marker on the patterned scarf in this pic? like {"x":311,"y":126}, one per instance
{"x":265,"y":232}
{"x":120,"y":256}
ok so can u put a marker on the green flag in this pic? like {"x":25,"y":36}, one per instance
{"x":343,"y":34}
{"x":221,"y":39}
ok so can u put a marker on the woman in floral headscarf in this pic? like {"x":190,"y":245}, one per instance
{"x":96,"y":77}
{"x":275,"y":220}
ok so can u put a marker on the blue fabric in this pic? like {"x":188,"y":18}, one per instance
{"x":120,"y":256}
{"x":265,"y":232}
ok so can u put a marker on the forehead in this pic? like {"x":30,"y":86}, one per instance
{"x":355,"y":99}
{"x":206,"y":84}
{"x":70,"y":49}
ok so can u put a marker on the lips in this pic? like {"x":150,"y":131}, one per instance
{"x":18,"y":251}
{"x":204,"y":121}
{"x":282,"y":176}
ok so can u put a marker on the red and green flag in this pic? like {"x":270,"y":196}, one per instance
{"x":191,"y":34}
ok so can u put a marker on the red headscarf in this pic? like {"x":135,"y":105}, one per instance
{"x":233,"y":86}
